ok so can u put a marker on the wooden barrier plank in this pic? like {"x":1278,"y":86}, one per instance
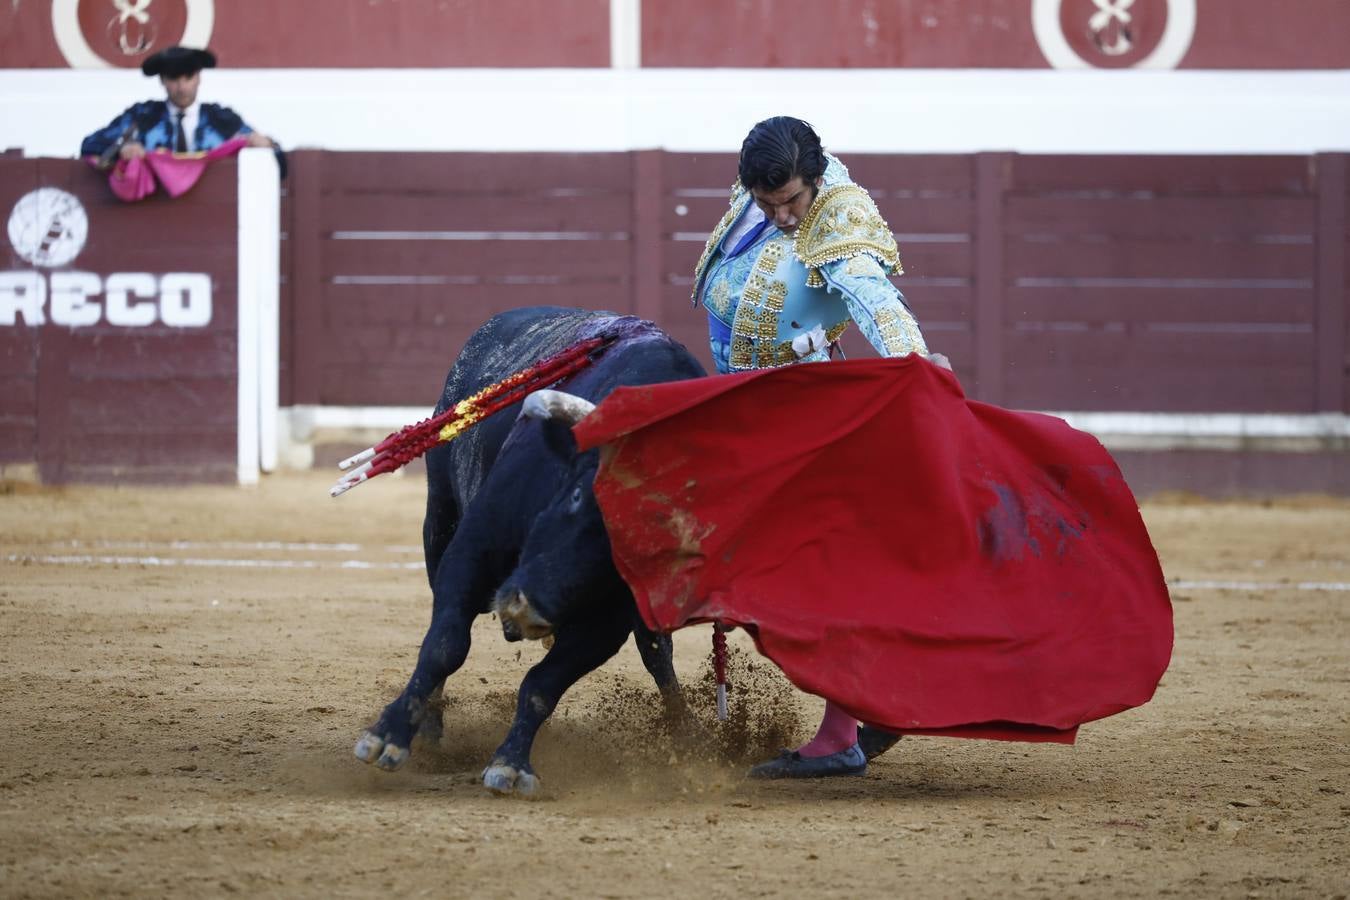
{"x":1127,"y":303}
{"x":608,"y":212}
{"x":1161,"y":175}
{"x":482,"y":173}
{"x":186,"y":401}
{"x":1345,"y":294}
{"x":307,"y":291}
{"x":18,"y":437}
{"x":180,"y":449}
{"x":709,"y":171}
{"x":1223,"y":473}
{"x":932,"y":299}
{"x":18,"y":355}
{"x":690,"y":215}
{"x":1157,"y":259}
{"x":387,"y":384}
{"x":1331,"y":268}
{"x":1190,"y":218}
{"x":992,"y":174}
{"x":1159,"y":347}
{"x":952,"y":174}
{"x":1174,"y":387}
{"x":122,"y":354}
{"x":927,"y":215}
{"x":938,"y":259}
{"x":53,"y":398}
{"x":596,"y":259}
{"x":679,"y":257}
{"x":215,"y":473}
{"x":286,"y":301}
{"x":429,"y":304}
{"x":648,"y":188}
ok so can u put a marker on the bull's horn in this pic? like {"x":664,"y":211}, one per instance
{"x":558,"y":405}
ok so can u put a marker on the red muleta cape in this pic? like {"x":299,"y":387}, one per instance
{"x":932,"y":564}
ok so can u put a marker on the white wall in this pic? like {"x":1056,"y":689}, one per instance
{"x":48,"y":111}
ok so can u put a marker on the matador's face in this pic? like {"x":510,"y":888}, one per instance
{"x":787,"y":205}
{"x":182,"y":89}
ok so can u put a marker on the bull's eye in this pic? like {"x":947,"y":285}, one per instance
{"x":576,"y":498}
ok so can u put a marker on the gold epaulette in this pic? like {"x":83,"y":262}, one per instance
{"x":843,"y":222}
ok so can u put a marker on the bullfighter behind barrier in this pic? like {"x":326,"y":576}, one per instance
{"x":179,"y":123}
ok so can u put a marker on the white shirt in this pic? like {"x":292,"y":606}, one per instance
{"x":752,"y":216}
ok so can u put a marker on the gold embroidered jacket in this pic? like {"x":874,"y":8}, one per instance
{"x":832,"y":270}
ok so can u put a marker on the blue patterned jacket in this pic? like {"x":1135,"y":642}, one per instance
{"x":154,"y":128}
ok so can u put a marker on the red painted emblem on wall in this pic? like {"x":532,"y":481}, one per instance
{"x":1114,"y":34}
{"x":122,"y":33}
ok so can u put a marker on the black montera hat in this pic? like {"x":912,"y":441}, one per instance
{"x":175,"y":62}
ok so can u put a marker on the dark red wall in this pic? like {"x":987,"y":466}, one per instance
{"x":1229,"y":34}
{"x":998,"y":34}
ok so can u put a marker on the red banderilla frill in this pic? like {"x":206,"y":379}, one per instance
{"x":410,"y":442}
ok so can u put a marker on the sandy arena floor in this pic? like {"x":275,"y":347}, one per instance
{"x":183,"y":673}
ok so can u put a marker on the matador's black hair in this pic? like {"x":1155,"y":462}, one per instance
{"x":777,"y":149}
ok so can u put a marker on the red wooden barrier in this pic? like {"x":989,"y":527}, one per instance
{"x":118,"y":350}
{"x":1098,"y":284}
{"x":1166,"y":284}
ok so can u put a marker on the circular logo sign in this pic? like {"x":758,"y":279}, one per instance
{"x":48,"y":227}
{"x":1114,"y":34}
{"x":98,"y":34}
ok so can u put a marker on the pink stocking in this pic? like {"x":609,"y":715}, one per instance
{"x":838,"y":731}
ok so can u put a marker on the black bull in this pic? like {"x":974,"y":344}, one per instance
{"x":512,"y":525}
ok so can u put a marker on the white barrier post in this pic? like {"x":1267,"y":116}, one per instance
{"x":259,"y":312}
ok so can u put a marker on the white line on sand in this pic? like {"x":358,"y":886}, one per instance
{"x":233,"y":545}
{"x":171,"y":562}
{"x":1182,"y":584}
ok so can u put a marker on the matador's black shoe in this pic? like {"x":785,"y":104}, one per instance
{"x":791,"y":764}
{"x":875,"y":742}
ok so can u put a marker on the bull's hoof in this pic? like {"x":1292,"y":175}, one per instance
{"x":392,"y":758}
{"x":368,"y":747}
{"x":372,"y":748}
{"x":505,"y":780}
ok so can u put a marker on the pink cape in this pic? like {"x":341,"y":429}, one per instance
{"x":136,"y":179}
{"x":933,"y":564}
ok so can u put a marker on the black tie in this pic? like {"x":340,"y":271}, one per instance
{"x":180,"y":144}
